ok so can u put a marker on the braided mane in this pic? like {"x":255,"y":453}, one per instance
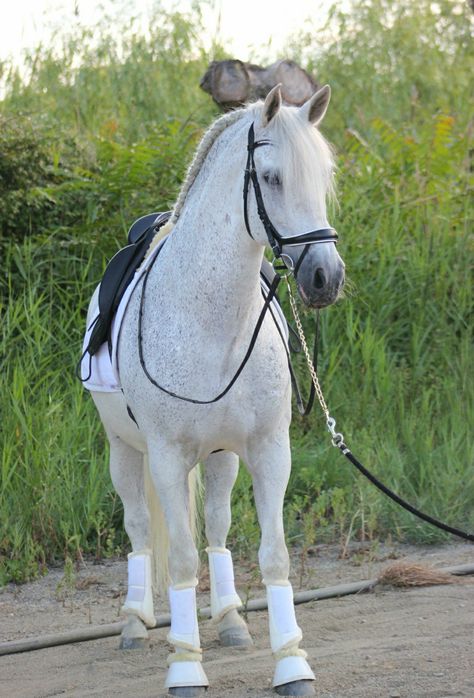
{"x":207,"y":141}
{"x":307,"y":154}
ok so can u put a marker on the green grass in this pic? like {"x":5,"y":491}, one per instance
{"x":101,"y":134}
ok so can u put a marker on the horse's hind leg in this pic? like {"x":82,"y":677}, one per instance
{"x":220,"y":474}
{"x":127,"y":473}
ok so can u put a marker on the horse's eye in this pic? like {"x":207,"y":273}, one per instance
{"x":272,"y":178}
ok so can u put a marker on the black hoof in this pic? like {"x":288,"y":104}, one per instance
{"x":235,"y":637}
{"x":187,"y":691}
{"x":133,"y":643}
{"x":304,"y":687}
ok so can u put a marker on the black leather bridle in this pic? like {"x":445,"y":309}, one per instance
{"x":277,"y":242}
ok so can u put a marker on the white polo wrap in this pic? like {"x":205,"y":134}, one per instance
{"x":284,"y":630}
{"x":221,"y":572}
{"x":139,"y":599}
{"x":185,"y":668}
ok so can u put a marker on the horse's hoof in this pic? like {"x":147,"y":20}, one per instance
{"x":235,"y":637}
{"x":133,"y":643}
{"x":187,"y":691}
{"x":304,"y":687}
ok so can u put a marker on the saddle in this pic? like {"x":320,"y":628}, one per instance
{"x":119,"y":273}
{"x":121,"y":269}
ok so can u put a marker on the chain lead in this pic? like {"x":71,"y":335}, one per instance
{"x":337,"y":438}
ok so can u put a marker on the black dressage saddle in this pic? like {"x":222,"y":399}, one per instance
{"x":119,"y":273}
{"x":121,"y":269}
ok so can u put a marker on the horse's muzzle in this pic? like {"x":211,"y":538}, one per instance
{"x":320,"y":281}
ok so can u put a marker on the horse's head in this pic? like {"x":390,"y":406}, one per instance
{"x":294,"y":174}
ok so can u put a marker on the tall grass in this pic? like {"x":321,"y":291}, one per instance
{"x":101,"y":134}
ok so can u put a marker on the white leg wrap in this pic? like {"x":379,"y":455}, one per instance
{"x":184,"y":630}
{"x":223,"y":594}
{"x":284,"y":630}
{"x":185,"y":667}
{"x":139,"y":599}
{"x":285,"y":635}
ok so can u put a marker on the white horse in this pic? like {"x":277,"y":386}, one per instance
{"x":197,"y":317}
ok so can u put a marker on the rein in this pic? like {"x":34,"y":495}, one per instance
{"x":278,"y":243}
{"x":248,"y":353}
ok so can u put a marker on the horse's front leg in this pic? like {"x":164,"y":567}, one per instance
{"x":169,"y":470}
{"x":270,"y":462}
{"x":221,"y":471}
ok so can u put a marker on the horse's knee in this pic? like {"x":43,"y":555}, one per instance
{"x":183,"y":559}
{"x":274,"y":560}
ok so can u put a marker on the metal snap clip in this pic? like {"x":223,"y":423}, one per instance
{"x":337,"y":438}
{"x":284,"y":269}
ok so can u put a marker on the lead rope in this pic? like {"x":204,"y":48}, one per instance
{"x":337,"y":438}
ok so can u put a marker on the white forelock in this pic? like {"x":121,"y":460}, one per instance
{"x":306,"y":155}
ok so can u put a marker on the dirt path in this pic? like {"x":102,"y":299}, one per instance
{"x":387,"y":643}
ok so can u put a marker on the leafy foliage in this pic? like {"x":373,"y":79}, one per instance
{"x":101,"y":133}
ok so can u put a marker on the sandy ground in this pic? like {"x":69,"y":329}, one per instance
{"x":392,"y":643}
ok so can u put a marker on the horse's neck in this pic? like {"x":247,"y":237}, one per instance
{"x":212,"y":269}
{"x":212,"y":265}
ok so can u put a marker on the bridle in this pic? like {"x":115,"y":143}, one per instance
{"x":276,"y":241}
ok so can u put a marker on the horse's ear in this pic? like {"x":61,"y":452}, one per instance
{"x":271,"y":105}
{"x":315,"y":108}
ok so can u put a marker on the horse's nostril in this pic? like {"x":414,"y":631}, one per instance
{"x":319,"y":278}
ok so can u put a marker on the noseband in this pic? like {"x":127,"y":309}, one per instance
{"x":277,"y":242}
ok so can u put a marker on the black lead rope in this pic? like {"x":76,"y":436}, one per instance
{"x":338,"y":440}
{"x":383,"y":488}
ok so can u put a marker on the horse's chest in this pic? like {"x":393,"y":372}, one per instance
{"x":258,"y":399}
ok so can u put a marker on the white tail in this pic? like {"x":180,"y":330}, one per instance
{"x":159,"y":542}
